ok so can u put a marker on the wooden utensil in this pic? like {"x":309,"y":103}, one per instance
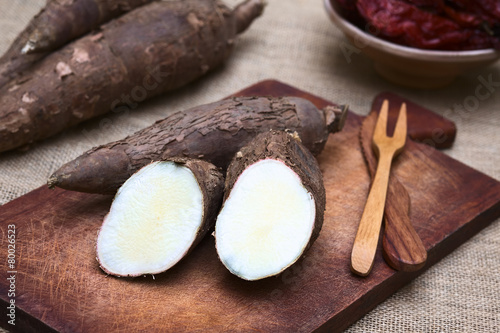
{"x":402,"y":246}
{"x":424,"y":125}
{"x":365,"y":243}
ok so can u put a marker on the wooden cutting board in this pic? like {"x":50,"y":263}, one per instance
{"x":59,"y":286}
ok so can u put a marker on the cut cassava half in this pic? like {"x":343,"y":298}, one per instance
{"x":273,"y":206}
{"x":158,"y":216}
{"x":213,"y":132}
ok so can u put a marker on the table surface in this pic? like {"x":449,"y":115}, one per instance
{"x":295,"y":42}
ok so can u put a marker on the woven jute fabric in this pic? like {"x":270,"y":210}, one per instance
{"x":295,"y":42}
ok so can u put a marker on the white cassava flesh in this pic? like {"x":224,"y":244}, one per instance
{"x":153,"y":221}
{"x":266,"y":221}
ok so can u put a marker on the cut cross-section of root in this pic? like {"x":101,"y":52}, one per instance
{"x":273,"y":208}
{"x":158,"y":215}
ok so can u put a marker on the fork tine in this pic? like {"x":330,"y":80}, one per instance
{"x":381,"y":126}
{"x":401,"y":126}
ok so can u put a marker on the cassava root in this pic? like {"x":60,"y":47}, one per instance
{"x":57,"y":24}
{"x":151,"y":50}
{"x":158,"y":216}
{"x":273,"y":210}
{"x":213,"y":132}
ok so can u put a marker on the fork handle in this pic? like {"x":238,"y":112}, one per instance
{"x":367,"y":236}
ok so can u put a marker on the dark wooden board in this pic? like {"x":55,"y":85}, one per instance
{"x":60,"y":287}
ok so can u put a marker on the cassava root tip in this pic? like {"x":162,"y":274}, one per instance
{"x":336,"y":116}
{"x":52,"y":182}
{"x":246,"y":12}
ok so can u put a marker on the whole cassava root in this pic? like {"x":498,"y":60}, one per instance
{"x":146,"y":52}
{"x":273,"y":209}
{"x":213,"y":132}
{"x":158,"y":216}
{"x":58,"y":23}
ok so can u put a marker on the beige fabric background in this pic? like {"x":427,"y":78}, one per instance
{"x":296,"y":43}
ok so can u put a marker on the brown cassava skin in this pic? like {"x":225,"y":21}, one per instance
{"x":287,"y":148}
{"x":211,"y":183}
{"x":58,"y":23}
{"x":213,"y":132}
{"x":146,"y":52}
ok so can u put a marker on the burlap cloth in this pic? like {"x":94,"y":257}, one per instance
{"x":296,"y":43}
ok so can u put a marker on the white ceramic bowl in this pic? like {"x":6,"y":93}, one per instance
{"x":410,"y":66}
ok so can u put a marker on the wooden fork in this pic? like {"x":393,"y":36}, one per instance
{"x":386,"y":148}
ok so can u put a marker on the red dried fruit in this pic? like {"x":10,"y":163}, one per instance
{"x":439,"y":25}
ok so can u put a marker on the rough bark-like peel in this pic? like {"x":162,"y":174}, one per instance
{"x":57,"y":24}
{"x":213,"y":132}
{"x":146,"y":52}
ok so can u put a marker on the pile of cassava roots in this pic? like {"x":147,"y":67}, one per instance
{"x":171,"y":190}
{"x":77,"y":59}
{"x":242,"y":167}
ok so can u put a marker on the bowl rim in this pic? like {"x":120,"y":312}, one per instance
{"x":406,"y":51}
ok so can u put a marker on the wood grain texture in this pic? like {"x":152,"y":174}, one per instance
{"x":60,"y":286}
